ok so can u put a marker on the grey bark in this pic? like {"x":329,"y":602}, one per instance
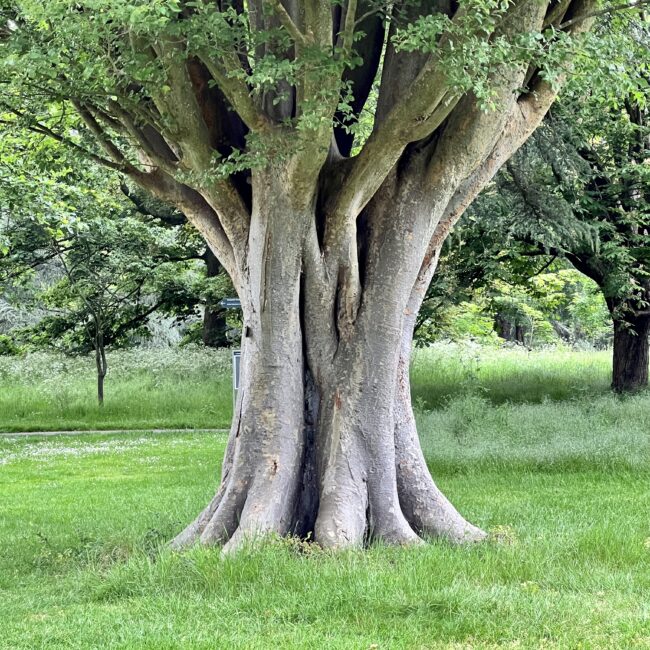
{"x":324,"y":442}
{"x":334,"y":310}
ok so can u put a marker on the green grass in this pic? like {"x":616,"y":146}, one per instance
{"x":564,"y":487}
{"x":191,"y":387}
{"x":145,"y":389}
{"x":514,"y":374}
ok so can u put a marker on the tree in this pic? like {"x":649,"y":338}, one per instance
{"x":598,"y":168}
{"x":53,"y":209}
{"x":107,"y":292}
{"x":107,"y":275}
{"x":93,"y":267}
{"x":491,"y":281}
{"x":243,"y":116}
{"x":602,"y":181}
{"x":577,"y":190}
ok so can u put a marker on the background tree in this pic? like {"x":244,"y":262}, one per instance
{"x":49,"y":211}
{"x":603,"y":179}
{"x":549,"y":303}
{"x":239,"y":114}
{"x":577,"y":191}
{"x":93,"y":266}
{"x":107,"y":292}
{"x":108,"y":273}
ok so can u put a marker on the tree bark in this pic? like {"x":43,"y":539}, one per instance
{"x":323,"y":443}
{"x":630,"y":367}
{"x":330,"y":275}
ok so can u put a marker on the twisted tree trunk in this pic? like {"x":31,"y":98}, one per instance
{"x":323,"y":442}
{"x":331,"y":277}
{"x":329,"y":252}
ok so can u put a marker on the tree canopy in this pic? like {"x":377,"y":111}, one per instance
{"x":184,"y":95}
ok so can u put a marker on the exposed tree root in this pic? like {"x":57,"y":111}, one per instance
{"x":371,"y":482}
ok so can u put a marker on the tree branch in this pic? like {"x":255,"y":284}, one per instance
{"x":38,"y":127}
{"x":346,"y":36}
{"x":544,"y":267}
{"x":200,"y":214}
{"x":236,"y":92}
{"x":102,"y":137}
{"x":632,"y":4}
{"x":540,"y":96}
{"x":424,"y":106}
{"x":287,"y":22}
{"x":139,"y":140}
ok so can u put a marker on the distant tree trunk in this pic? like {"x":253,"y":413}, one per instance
{"x":102,"y":367}
{"x":214,"y":316}
{"x":509,"y":330}
{"x":503,"y":327}
{"x":631,"y":329}
{"x":520,"y":333}
{"x":630,"y":368}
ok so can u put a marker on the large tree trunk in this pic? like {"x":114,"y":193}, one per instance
{"x":328,"y":253}
{"x":630,"y":368}
{"x":323,"y":443}
{"x":331,"y":270}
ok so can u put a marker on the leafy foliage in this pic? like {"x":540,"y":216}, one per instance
{"x":576,"y":192}
{"x":79,"y":251}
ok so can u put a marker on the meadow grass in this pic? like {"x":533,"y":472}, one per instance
{"x":514,"y":374}
{"x":181,"y":388}
{"x":562,"y":486}
{"x":191,"y":387}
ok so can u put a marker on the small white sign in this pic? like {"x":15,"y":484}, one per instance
{"x":236,"y":362}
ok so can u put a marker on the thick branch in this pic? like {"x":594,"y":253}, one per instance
{"x":632,"y":4}
{"x":139,"y":140}
{"x":287,"y":22}
{"x":235,"y":91}
{"x":421,"y":109}
{"x":198,"y":212}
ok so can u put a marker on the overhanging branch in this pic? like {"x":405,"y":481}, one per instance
{"x":38,"y":127}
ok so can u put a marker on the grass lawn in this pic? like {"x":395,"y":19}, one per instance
{"x":145,"y":389}
{"x":192,"y":387}
{"x":563,"y":486}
